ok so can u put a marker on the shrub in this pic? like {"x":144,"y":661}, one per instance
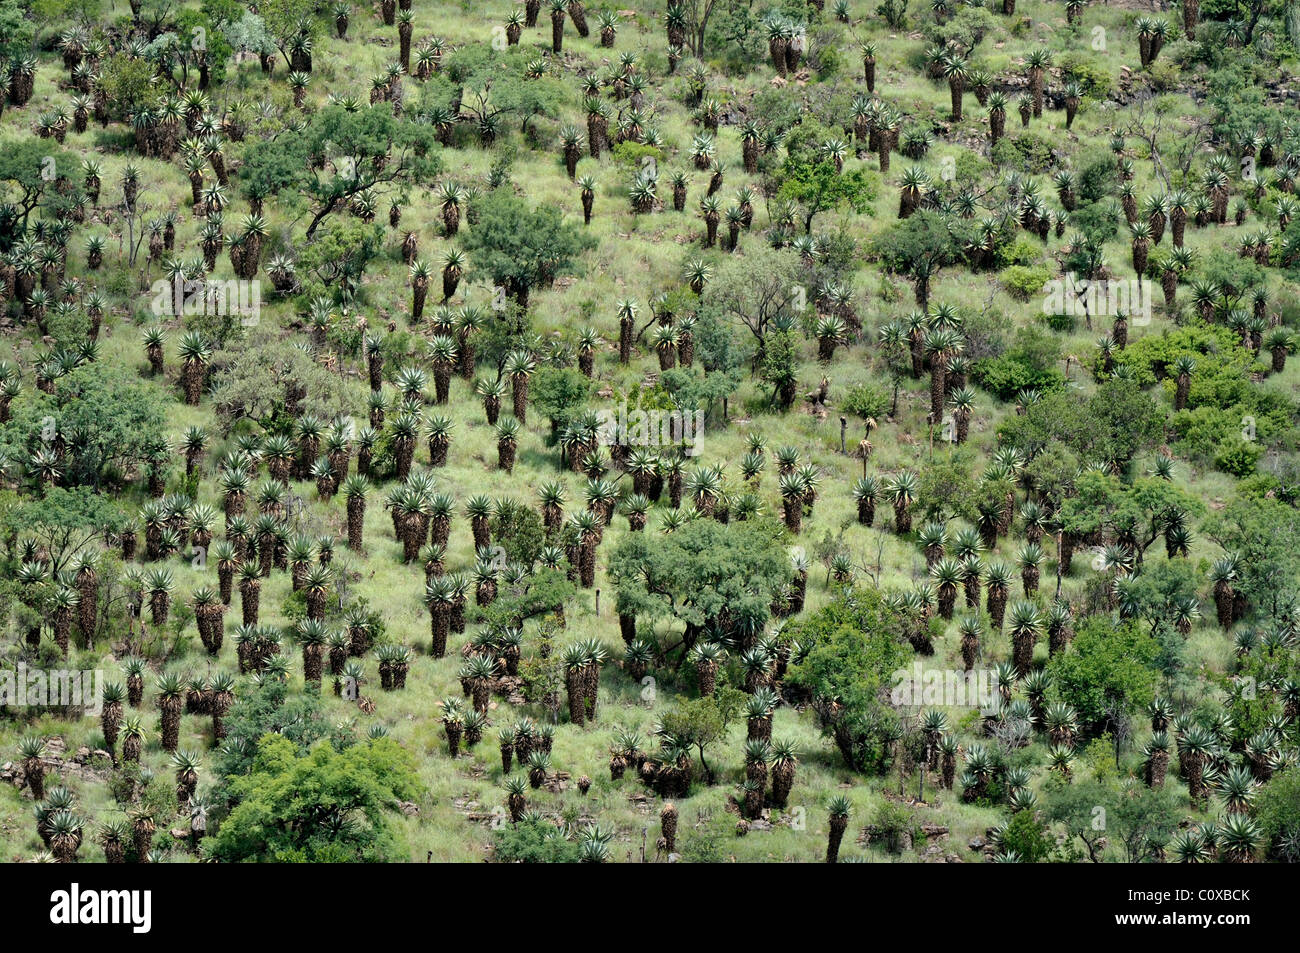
{"x":322,"y":806}
{"x":1028,"y":838}
{"x":826,"y":59}
{"x":1038,"y":153}
{"x":1083,"y":70}
{"x":866,"y":400}
{"x":533,"y":841}
{"x":1237,"y":457}
{"x":1029,"y":363}
{"x":891,"y":820}
{"x":1021,"y":251}
{"x":1063,"y":323}
{"x":1278,"y":807}
{"x":634,"y":153}
{"x":853,"y":651}
{"x":1107,"y":664}
{"x":1025,"y":281}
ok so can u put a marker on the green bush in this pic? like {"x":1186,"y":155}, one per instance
{"x":1107,"y":664}
{"x":1062,"y":323}
{"x":1278,"y":806}
{"x":1084,"y":70}
{"x":634,"y":153}
{"x":1028,"y":838}
{"x":1021,"y":251}
{"x":1237,"y":457}
{"x":866,"y":400}
{"x":1212,"y":346}
{"x":324,"y":806}
{"x":1025,"y":281}
{"x":891,"y":821}
{"x":853,"y":651}
{"x":533,"y":841}
{"x":1165,"y":74}
{"x":828,"y":61}
{"x":1201,"y":430}
{"x":1222,"y":399}
{"x":1029,"y":363}
{"x":1037,"y":153}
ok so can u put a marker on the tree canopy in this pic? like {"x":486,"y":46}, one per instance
{"x":853,"y":651}
{"x":110,"y":421}
{"x":325,"y":806}
{"x":707,"y":576}
{"x":365,"y":149}
{"x":517,"y":247}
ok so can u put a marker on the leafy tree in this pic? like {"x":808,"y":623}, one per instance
{"x":1108,"y":671}
{"x":115,"y":418}
{"x":923,"y":238}
{"x":557,"y":392}
{"x":1114,"y":425}
{"x":518,"y":530}
{"x":946,"y":487}
{"x":365,"y":150}
{"x":818,"y":187}
{"x":1226,"y":269}
{"x":265,"y":708}
{"x":491,"y":83}
{"x":702,"y":575}
{"x":1103,"y":812}
{"x":716,"y":348}
{"x":701,"y":723}
{"x":780,"y":365}
{"x":734,"y":35}
{"x":541,"y":593}
{"x":1158,"y":589}
{"x":1054,"y":474}
{"x":286,"y":19}
{"x":518,"y":248}
{"x":248,"y":33}
{"x":28,"y":168}
{"x":270,"y":169}
{"x":63,"y":522}
{"x":854,"y":651}
{"x":128,"y":83}
{"x":1029,"y":364}
{"x":867,"y":400}
{"x":1138,"y":512}
{"x":757,"y":289}
{"x":253,"y":377}
{"x":222,"y":11}
{"x":325,"y":806}
{"x":17,"y":32}
{"x":177,"y":45}
{"x":340,"y":251}
{"x":1277,"y":809}
{"x":1093,"y":504}
{"x":1265,"y":535}
{"x":694,"y":388}
{"x":529,"y":99}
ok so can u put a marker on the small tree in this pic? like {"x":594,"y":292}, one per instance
{"x":700,"y":723}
